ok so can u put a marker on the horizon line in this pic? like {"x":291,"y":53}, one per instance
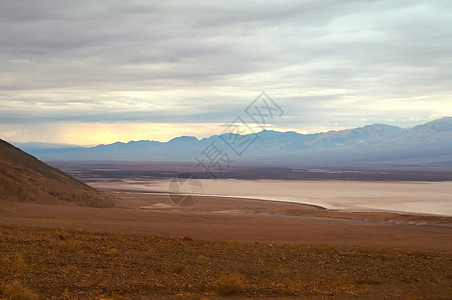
{"x":212,"y":135}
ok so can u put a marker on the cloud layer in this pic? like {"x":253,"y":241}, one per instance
{"x":328,"y":64}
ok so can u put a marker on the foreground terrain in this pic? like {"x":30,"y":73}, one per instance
{"x":70,"y":264}
{"x":222,"y":247}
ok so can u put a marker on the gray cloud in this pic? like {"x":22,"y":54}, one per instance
{"x":333,"y":61}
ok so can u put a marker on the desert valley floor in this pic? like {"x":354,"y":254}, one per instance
{"x":146,"y":248}
{"x":257,"y":249}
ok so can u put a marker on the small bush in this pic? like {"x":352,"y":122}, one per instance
{"x":15,"y":291}
{"x":150,"y":252}
{"x":113,"y":252}
{"x":18,"y":264}
{"x":67,"y":246}
{"x":10,"y":232}
{"x":178,"y":268}
{"x":62,"y":235}
{"x":92,"y":238}
{"x":230,"y":284}
{"x":202,"y":260}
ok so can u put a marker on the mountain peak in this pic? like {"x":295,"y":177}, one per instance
{"x":380,"y":125}
{"x":183,"y":139}
{"x":443,"y":124}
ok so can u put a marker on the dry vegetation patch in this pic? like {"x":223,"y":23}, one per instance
{"x":230,"y":284}
{"x":50,"y":264}
{"x":16,"y":291}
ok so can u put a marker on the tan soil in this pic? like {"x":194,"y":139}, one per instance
{"x":64,"y":264}
{"x":280,"y":249}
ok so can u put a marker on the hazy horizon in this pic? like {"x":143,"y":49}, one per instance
{"x":202,"y":137}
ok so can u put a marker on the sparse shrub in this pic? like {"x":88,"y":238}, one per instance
{"x":18,"y":263}
{"x":92,"y":238}
{"x":178,"y":268}
{"x":62,"y":235}
{"x":10,"y":232}
{"x":202,"y":260}
{"x":230,"y":284}
{"x":67,"y":246}
{"x":113,"y":252}
{"x":150,"y":252}
{"x":15,"y":291}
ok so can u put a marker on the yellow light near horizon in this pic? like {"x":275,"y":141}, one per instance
{"x":107,"y":133}
{"x":89,"y":134}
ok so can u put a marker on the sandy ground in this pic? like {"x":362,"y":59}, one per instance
{"x":218,"y":218}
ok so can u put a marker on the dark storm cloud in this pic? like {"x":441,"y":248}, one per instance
{"x":201,"y":61}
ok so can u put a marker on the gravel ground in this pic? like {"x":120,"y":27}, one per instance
{"x":64,"y":264}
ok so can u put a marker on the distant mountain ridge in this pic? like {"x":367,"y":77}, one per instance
{"x":425,"y":144}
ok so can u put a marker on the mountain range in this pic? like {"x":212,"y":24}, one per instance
{"x":428,"y":144}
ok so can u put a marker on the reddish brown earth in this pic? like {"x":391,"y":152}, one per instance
{"x":238,"y":219}
{"x":221,"y":247}
{"x":63,"y":264}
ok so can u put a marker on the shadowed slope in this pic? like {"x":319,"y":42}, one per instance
{"x":24,"y":178}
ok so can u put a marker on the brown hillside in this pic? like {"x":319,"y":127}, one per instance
{"x":25,"y":178}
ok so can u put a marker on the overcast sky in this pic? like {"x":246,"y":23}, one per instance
{"x":87,"y":72}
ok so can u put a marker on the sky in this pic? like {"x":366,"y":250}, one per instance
{"x":92,"y":72}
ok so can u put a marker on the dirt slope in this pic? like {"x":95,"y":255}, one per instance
{"x":24,"y":178}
